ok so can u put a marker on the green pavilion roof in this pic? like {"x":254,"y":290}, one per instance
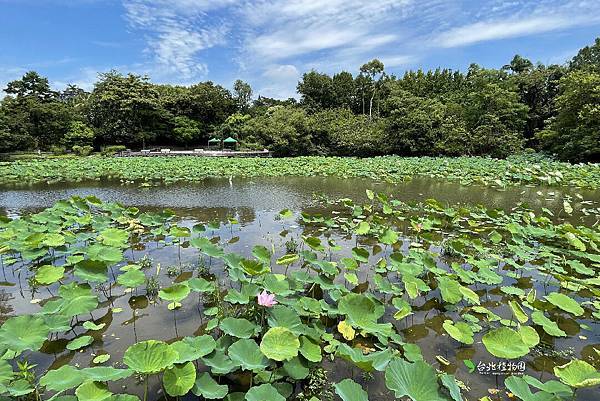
{"x":213,"y":140}
{"x":230,"y":140}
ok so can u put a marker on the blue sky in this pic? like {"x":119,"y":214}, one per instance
{"x":270,"y":43}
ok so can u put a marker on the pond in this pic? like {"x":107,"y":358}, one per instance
{"x":237,"y":215}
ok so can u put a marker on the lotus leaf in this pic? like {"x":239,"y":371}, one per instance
{"x":578,"y":374}
{"x":205,"y":386}
{"x":279,"y":344}
{"x":349,"y":390}
{"x":179,"y":379}
{"x":149,"y":357}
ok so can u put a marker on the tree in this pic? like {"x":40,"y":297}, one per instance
{"x":185,"y":130}
{"x":283,"y":130}
{"x":372,"y":69}
{"x":125,"y":110}
{"x":79,"y":134}
{"x":31,"y":85}
{"x":34,"y":115}
{"x":343,"y":89}
{"x":574,"y":134}
{"x":587,"y":58}
{"x":518,"y":65}
{"x":316,"y":91}
{"x":243,"y":95}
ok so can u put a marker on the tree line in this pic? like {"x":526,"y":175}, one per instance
{"x":492,"y":112}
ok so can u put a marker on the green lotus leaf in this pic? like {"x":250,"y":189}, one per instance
{"x":92,"y":391}
{"x":219,"y":363}
{"x":284,"y":316}
{"x":114,"y":237}
{"x":370,"y":362}
{"x":240,"y":328}
{"x":175,"y":293}
{"x":63,"y":378}
{"x":349,"y":390}
{"x":280,"y":344}
{"x":24,"y":332}
{"x":565,"y":303}
{"x":548,"y":325}
{"x":360,"y":309}
{"x":49,"y":274}
{"x":578,"y":374}
{"x":101,"y":359}
{"x":529,"y":336}
{"x":80,"y":342}
{"x":518,"y":311}
{"x":246,"y":353}
{"x":53,"y":240}
{"x":107,"y":254}
{"x":310,"y":350}
{"x":449,"y":381}
{"x":506,"y":343}
{"x":264,"y":392}
{"x":75,"y":299}
{"x":254,"y":267}
{"x":205,"y":386}
{"x":57,"y":323}
{"x":106,"y":373}
{"x":179,"y":232}
{"x":460,"y":331}
{"x":92,"y":271}
{"x":199,"y":284}
{"x":89,"y":325}
{"x":192,"y":348}
{"x":179,"y":379}
{"x":131,"y":278}
{"x":207,"y":247}
{"x":262,"y":253}
{"x":449,"y":289}
{"x":415,"y":380}
{"x":296,"y":369}
{"x":389,"y":237}
{"x":288,"y":259}
{"x":149,"y":357}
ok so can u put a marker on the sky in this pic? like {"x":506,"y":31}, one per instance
{"x":271,"y":43}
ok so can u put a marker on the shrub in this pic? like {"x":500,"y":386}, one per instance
{"x":82,"y":150}
{"x":112,"y":149}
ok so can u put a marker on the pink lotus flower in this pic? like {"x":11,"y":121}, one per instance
{"x":266,"y":299}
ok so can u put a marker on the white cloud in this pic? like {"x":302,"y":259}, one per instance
{"x":279,"y":81}
{"x":493,"y":30}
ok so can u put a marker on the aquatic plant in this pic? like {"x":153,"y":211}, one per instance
{"x":271,"y":319}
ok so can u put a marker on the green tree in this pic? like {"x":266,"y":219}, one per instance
{"x":316,"y":91}
{"x":343,"y":89}
{"x":34,"y":115}
{"x":373,"y":69}
{"x":79,"y":134}
{"x":243,"y":95}
{"x":283,"y":130}
{"x":574,"y":134}
{"x":125,"y":110}
{"x":587,"y":58}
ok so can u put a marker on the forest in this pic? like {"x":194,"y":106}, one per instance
{"x":554,"y":109}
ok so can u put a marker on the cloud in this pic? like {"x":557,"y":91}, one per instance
{"x":177,"y":32}
{"x":494,"y":30}
{"x":279,"y":81}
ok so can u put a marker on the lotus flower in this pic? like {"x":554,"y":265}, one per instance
{"x":266,"y":299}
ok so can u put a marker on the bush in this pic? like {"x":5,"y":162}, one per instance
{"x":79,"y":134}
{"x":58,"y":150}
{"x":112,"y":149}
{"x":82,"y":150}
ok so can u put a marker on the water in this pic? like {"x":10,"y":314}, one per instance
{"x":255,"y":204}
